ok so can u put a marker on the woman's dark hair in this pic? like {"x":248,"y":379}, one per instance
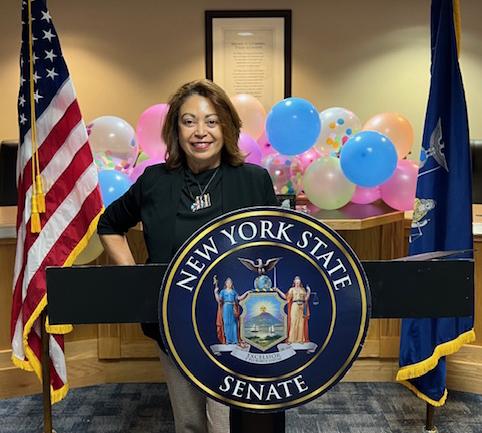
{"x":228,"y":118}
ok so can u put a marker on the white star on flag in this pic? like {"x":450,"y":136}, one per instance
{"x":51,"y":73}
{"x":36,"y":96}
{"x":49,"y":55}
{"x":35,"y":76}
{"x":21,"y":101}
{"x":23,"y":119}
{"x":48,"y":35}
{"x":46,"y":16}
{"x":34,"y":57}
{"x":22,"y":80}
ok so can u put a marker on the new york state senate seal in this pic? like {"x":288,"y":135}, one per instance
{"x":264,"y":308}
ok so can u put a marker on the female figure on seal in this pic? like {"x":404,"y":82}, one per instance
{"x":227,"y":318}
{"x":298,"y":311}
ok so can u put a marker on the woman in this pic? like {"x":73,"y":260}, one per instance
{"x":227,"y":324}
{"x":204,"y":177}
{"x":298,"y":311}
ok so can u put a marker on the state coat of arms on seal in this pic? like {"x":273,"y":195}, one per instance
{"x":258,"y":317}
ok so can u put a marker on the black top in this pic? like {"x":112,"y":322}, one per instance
{"x":159,"y":197}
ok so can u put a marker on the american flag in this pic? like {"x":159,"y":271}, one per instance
{"x":53,"y":143}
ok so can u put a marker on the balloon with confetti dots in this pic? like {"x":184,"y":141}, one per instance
{"x":286,"y":173}
{"x":113,"y":142}
{"x":338,"y":125}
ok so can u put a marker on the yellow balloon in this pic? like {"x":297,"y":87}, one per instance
{"x":325,"y":185}
{"x":396,"y":127}
{"x":252,"y":114}
{"x":92,"y":250}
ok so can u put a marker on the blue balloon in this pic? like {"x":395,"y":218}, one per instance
{"x":368,"y":158}
{"x":113,"y":184}
{"x":293,"y":126}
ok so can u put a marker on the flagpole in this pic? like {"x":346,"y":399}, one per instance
{"x":429,"y":426}
{"x":47,"y":404}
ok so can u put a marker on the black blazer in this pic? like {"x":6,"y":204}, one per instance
{"x":153,"y":200}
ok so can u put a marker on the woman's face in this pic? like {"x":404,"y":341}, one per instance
{"x":297,"y":282}
{"x":228,"y":283}
{"x":200,"y":133}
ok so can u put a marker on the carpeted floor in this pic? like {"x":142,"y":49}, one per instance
{"x":144,"y":408}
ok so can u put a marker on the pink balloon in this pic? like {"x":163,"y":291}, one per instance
{"x":149,"y":128}
{"x":139,"y":168}
{"x":306,"y":158}
{"x":265,"y":145}
{"x":312,"y":208}
{"x":399,"y":191}
{"x":308,"y":208}
{"x":366,"y":195}
{"x":250,"y":148}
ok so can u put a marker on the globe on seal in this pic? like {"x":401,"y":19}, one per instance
{"x":263,"y":283}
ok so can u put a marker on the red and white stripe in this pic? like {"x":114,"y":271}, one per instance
{"x":72,"y":201}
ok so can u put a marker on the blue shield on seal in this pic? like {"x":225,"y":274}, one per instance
{"x":263,"y":320}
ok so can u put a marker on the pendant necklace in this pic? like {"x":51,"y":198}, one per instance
{"x":203,"y":200}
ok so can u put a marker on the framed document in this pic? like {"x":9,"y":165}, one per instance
{"x":250,"y":52}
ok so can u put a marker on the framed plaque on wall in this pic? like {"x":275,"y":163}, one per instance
{"x":250,"y":52}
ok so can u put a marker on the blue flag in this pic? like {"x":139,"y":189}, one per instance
{"x":442,"y":218}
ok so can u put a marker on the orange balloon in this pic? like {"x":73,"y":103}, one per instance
{"x":252,"y":114}
{"x":396,"y":127}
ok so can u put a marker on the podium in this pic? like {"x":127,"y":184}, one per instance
{"x":394,"y":285}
